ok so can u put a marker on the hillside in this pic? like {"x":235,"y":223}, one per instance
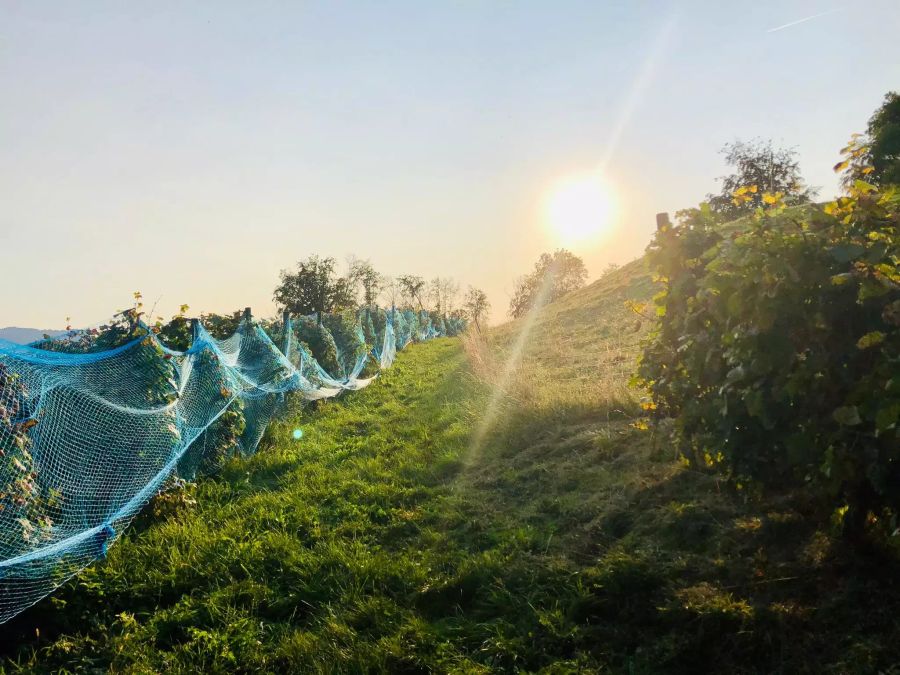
{"x":459,"y":515}
{"x":23,"y":336}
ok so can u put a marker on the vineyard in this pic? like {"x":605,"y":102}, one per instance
{"x":692,"y":460}
{"x":95,"y":423}
{"x":569,"y":539}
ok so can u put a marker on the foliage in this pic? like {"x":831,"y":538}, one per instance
{"x":222,"y":438}
{"x":759,"y":169}
{"x":476,"y":306}
{"x":554,"y":275}
{"x":314,"y":287}
{"x":442,"y":291}
{"x":875,"y":157}
{"x":437,"y":322}
{"x":391,"y":291}
{"x":411,"y":288}
{"x":319,"y":341}
{"x":778,"y":348}
{"x":348,"y":338}
{"x":362,"y":274}
{"x":22,"y":502}
{"x":609,"y":269}
{"x":384,"y":542}
{"x":366,"y":318}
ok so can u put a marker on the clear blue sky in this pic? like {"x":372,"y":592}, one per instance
{"x":191,"y":150}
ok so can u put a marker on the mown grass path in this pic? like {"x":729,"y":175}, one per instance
{"x":311,"y":554}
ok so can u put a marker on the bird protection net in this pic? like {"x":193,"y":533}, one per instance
{"x":88,"y":435}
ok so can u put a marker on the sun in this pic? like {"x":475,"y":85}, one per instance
{"x":579,"y":209}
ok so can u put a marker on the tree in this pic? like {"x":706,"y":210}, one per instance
{"x":555,"y":274}
{"x":362,"y":274}
{"x":442,"y":292}
{"x":390,"y":289}
{"x":476,"y":306}
{"x":760,"y":169}
{"x":412,"y":286}
{"x":875,"y":157}
{"x":609,"y":269}
{"x":314,"y":287}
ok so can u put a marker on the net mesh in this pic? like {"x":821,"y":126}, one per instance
{"x":88,"y":436}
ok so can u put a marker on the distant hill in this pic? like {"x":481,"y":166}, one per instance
{"x":25,"y":335}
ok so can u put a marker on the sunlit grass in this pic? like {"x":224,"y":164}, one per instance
{"x":569,"y":542}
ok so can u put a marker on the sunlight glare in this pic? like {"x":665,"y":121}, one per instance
{"x":579,"y":209}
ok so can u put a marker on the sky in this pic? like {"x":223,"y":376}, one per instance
{"x":190,"y":151}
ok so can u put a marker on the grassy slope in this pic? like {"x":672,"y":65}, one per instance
{"x":564,"y":539}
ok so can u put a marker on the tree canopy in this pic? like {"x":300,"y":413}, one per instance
{"x":555,"y":274}
{"x":759,"y":169}
{"x":411,"y":287}
{"x":476,"y":306}
{"x":875,"y":156}
{"x":442,"y":291}
{"x":314,"y":287}
{"x":363,"y":275}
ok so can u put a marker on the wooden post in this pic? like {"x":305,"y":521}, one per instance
{"x":662,"y":222}
{"x":286,"y":332}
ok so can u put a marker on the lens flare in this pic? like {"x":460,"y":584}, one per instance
{"x":298,"y":434}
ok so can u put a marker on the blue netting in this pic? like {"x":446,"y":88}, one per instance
{"x":89,"y":434}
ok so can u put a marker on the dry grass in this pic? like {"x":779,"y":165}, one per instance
{"x":580,"y":353}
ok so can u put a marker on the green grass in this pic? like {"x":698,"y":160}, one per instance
{"x":564,"y":541}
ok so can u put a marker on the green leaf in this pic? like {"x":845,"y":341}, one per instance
{"x":871,"y":289}
{"x":864,"y":187}
{"x":887,"y":416}
{"x":848,"y":416}
{"x":846,"y":252}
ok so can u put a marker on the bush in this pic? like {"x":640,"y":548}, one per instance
{"x":348,"y":338}
{"x":413,"y":324}
{"x":437,"y":322}
{"x":23,"y":514}
{"x":369,"y":317}
{"x":778,"y":349}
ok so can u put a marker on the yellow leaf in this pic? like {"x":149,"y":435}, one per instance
{"x":840,"y":166}
{"x":870,"y":340}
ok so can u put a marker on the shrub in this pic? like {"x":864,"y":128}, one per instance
{"x":320,"y":343}
{"x":23,"y":514}
{"x":778,"y":348}
{"x":413,"y":324}
{"x":437,"y":322}
{"x":348,"y":338}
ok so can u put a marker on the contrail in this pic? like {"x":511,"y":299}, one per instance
{"x":809,"y":18}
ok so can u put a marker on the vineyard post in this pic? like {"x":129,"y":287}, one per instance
{"x":662,"y":221}
{"x":286,"y":330}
